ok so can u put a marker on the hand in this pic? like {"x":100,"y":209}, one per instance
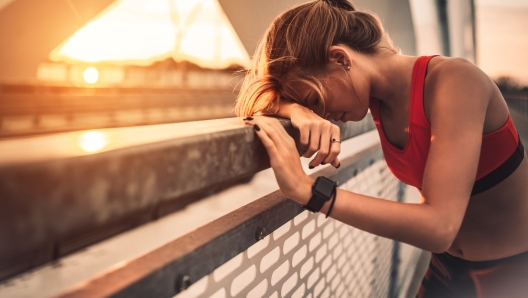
{"x":316,"y":136}
{"x":284,"y":159}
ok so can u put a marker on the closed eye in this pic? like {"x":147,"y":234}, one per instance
{"x":317,"y":106}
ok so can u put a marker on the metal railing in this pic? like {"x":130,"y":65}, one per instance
{"x":272,"y":247}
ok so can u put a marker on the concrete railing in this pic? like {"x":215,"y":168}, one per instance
{"x":58,"y":199}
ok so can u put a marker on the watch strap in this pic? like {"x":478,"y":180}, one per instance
{"x":319,"y":197}
{"x":315,"y":203}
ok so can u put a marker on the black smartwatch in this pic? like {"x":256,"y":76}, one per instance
{"x":322,"y":190}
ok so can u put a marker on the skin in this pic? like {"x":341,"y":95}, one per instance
{"x":488,"y":226}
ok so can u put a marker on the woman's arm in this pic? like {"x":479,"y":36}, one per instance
{"x":410,"y":223}
{"x":449,"y":174}
{"x":315,"y":133}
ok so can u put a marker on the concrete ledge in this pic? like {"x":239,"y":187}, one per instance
{"x":57,"y":199}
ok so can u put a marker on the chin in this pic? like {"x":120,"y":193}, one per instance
{"x":362,"y":116}
{"x":355,"y":119}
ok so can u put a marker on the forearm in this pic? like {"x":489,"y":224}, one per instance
{"x":415,"y":224}
{"x":285,"y":110}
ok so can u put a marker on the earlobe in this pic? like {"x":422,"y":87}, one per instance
{"x":339,"y":57}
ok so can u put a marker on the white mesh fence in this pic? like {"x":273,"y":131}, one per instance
{"x":311,"y":256}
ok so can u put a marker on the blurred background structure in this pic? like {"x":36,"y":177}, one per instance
{"x":96,"y":146}
{"x":69,"y":65}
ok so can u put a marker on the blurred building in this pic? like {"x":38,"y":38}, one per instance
{"x":77,"y":65}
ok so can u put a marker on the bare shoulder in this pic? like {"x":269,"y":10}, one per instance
{"x":458,"y":73}
{"x":459,"y":82}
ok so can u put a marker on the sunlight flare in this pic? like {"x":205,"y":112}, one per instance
{"x":140,"y":32}
{"x":91,"y":75}
{"x":93,"y":141}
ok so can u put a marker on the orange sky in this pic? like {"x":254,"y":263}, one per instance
{"x":140,"y":32}
{"x":502,"y":38}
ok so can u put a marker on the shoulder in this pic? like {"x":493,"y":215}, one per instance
{"x":458,"y":83}
{"x":458,"y":74}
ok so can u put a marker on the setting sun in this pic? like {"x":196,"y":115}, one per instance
{"x":140,"y":32}
{"x":91,"y":75}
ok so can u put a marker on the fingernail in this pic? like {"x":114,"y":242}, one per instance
{"x":338,"y":166}
{"x":248,"y":118}
{"x":256,"y":127}
{"x":311,"y":167}
{"x":323,"y":163}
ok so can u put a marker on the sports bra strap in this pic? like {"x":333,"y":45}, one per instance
{"x":500,"y":173}
{"x":417,"y":111}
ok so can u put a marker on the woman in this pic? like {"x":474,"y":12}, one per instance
{"x":444,"y":128}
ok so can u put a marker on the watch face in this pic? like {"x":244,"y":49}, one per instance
{"x":324,"y":186}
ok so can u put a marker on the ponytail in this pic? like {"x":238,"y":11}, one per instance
{"x":295,"y":50}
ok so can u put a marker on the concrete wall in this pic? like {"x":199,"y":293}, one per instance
{"x":452,"y":36}
{"x":461,"y":29}
{"x":426,"y":27}
{"x":397,"y":20}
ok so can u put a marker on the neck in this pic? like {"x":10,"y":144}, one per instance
{"x":390,"y":78}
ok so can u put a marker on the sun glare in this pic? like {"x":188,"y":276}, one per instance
{"x":93,"y":141}
{"x":140,"y":32}
{"x":91,"y":75}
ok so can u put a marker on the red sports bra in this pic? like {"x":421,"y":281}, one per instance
{"x":408,"y":164}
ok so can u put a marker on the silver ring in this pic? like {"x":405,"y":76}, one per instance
{"x":335,"y":141}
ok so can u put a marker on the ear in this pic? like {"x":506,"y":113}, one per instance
{"x":339,"y":56}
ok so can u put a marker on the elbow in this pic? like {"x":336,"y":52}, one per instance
{"x":443,"y":239}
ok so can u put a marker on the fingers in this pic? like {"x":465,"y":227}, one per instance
{"x":329,"y":147}
{"x":320,"y":140}
{"x":283,"y":142}
{"x":336,"y":163}
{"x":324,"y":149}
{"x":304,"y":138}
{"x":315,"y":138}
{"x":266,"y":140}
{"x":335,"y":147}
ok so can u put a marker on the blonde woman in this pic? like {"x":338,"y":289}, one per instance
{"x":444,"y":128}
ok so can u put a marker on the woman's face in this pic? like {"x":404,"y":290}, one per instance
{"x":345,"y":101}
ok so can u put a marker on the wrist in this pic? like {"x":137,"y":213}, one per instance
{"x":287,"y":109}
{"x":303,"y":192}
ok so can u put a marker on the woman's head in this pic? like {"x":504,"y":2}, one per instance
{"x":295,"y":53}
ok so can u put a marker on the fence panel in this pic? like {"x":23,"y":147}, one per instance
{"x":312,"y":256}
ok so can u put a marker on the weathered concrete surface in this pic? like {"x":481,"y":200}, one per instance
{"x":55,"y":203}
{"x":159,"y":273}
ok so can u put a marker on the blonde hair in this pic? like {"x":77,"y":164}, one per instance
{"x":294,"y":51}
